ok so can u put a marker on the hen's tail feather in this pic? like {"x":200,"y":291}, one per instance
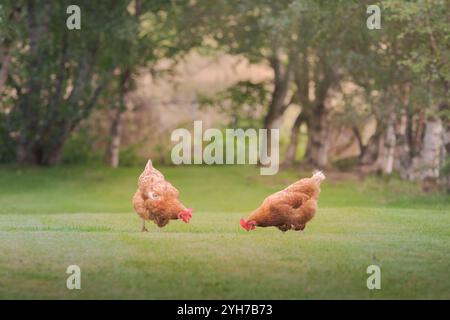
{"x":318,"y":176}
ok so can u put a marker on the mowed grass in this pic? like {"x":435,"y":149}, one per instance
{"x":55,"y":217}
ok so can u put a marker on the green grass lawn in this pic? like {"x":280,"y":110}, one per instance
{"x":54,"y":217}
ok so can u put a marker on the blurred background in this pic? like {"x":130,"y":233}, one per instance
{"x":346,"y":97}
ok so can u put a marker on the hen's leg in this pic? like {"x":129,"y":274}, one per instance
{"x":284,"y":227}
{"x":303,"y":214}
{"x":143,"y":229}
{"x":139,"y":206}
{"x":298,"y":226}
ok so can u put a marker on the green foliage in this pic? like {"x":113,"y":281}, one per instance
{"x":7,"y":143}
{"x":346,"y":164}
{"x":79,"y":149}
{"x":129,"y":156}
{"x":424,"y":24}
{"x":6,"y":17}
{"x":241,"y":102}
{"x":61,"y":75}
{"x":162,"y":153}
{"x":445,"y":170}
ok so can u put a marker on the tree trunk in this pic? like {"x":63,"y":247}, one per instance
{"x":402,"y":159}
{"x":53,"y":157}
{"x":23,"y":155}
{"x":369,"y":161}
{"x":370,"y":151}
{"x":362,"y":147}
{"x":274,"y":117}
{"x":446,"y":141}
{"x":43,"y":152}
{"x":292,"y":148}
{"x":318,"y":137}
{"x":4,"y":70}
{"x":37,"y":155}
{"x":432,"y":149}
{"x":277,"y":107}
{"x":113,"y":153}
{"x":387,"y":153}
{"x":415,"y":132}
{"x":115,"y":136}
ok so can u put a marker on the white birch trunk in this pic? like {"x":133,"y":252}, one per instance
{"x":431,"y":155}
{"x":387,"y":164}
{"x":113,"y":155}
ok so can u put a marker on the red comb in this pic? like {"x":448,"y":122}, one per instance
{"x":243,"y":223}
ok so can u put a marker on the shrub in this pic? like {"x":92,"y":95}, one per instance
{"x":79,"y":149}
{"x":7,"y":144}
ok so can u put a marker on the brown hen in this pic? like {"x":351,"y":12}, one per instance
{"x":157,"y":200}
{"x":290,"y":208}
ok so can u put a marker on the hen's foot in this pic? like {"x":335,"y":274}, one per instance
{"x":284,"y":227}
{"x":143,"y":229}
{"x":299,"y":227}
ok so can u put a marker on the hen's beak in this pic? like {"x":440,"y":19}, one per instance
{"x":185,"y":215}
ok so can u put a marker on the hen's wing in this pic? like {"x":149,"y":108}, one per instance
{"x":286,"y":206}
{"x":303,"y":214}
{"x":305,"y":186}
{"x":139,"y":205}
